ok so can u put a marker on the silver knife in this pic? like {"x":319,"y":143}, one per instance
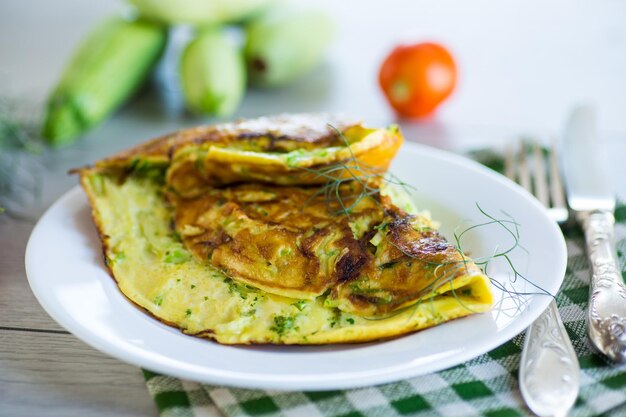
{"x":590,"y":197}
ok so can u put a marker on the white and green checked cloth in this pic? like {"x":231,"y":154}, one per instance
{"x":484,"y":386}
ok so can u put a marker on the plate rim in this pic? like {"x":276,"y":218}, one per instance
{"x":310,"y":383}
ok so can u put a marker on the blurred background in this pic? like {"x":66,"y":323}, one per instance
{"x":522,"y":65}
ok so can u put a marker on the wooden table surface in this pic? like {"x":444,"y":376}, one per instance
{"x":45,"y":371}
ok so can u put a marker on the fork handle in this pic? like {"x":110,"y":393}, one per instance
{"x":549,"y":371}
{"x":606,"y":314}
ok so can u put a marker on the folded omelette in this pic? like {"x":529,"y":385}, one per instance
{"x":282,"y":230}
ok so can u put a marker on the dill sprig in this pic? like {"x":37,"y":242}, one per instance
{"x":339,"y":191}
{"x":19,"y":144}
{"x":361,"y":180}
{"x":444,"y":273}
{"x":16,"y":133}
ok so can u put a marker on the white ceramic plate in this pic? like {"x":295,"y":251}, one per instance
{"x":66,"y":273}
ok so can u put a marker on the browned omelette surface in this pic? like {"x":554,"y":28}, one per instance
{"x":277,"y":230}
{"x":264,"y":134}
{"x":291,"y":241}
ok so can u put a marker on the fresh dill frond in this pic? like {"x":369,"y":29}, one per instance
{"x":513,"y":300}
{"x":349,"y":181}
{"x":20,"y":145}
{"x":18,"y":131}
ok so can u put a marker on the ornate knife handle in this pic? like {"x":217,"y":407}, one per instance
{"x":549,"y":369}
{"x":606,"y":314}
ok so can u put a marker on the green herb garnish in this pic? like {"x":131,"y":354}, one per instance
{"x":158,"y":300}
{"x":237,"y":288}
{"x":20,"y":151}
{"x":300,"y":304}
{"x":283,"y":324}
{"x":176,"y":256}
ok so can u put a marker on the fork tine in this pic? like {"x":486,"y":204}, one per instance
{"x":509,"y":162}
{"x":523,"y":170}
{"x":556,"y":185}
{"x":540,"y":179}
{"x":530,"y":172}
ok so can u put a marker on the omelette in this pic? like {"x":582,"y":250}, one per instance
{"x":281,"y":230}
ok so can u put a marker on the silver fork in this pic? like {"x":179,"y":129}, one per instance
{"x":549,"y":370}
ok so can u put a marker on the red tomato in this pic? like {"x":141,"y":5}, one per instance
{"x":417,"y":78}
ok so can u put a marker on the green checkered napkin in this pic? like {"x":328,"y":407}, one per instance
{"x":484,"y":386}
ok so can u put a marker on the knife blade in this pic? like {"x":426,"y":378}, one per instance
{"x":590,"y":197}
{"x":585,"y":176}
